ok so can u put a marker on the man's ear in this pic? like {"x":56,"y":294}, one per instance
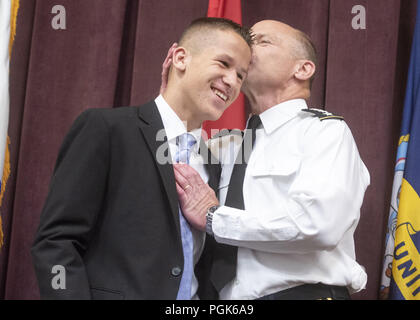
{"x":306,"y":70}
{"x":180,"y":58}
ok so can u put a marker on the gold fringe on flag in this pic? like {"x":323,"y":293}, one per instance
{"x":6,"y":169}
{"x":6,"y":175}
{"x":13,"y":18}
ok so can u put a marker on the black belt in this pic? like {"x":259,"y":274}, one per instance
{"x":316,"y":291}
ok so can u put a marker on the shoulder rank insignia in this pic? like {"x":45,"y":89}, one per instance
{"x":227,"y":132}
{"x":322,"y":114}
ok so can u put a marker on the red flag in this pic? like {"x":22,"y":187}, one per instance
{"x":234,"y":116}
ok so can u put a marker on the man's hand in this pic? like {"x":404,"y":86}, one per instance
{"x":195,"y":196}
{"x":165,"y":68}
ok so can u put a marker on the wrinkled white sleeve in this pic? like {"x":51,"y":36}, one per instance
{"x":321,"y":205}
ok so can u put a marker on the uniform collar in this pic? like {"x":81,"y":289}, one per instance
{"x":279,"y":114}
{"x":174,"y":126}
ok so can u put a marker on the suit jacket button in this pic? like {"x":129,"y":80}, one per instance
{"x":176,"y":271}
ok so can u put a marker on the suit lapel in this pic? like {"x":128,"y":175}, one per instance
{"x":151,"y":127}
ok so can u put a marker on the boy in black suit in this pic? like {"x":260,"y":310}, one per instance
{"x":111,"y":227}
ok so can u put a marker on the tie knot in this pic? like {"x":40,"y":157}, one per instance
{"x":186,"y":141}
{"x":254,"y":122}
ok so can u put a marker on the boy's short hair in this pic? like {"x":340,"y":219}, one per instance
{"x":208,"y":24}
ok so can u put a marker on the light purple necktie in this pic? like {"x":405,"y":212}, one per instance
{"x":185,"y":142}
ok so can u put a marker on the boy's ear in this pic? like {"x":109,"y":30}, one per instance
{"x":180,"y":58}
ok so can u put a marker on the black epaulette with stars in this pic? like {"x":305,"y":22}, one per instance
{"x":227,"y":132}
{"x":322,"y":114}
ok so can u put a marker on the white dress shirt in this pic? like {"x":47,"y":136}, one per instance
{"x":303,"y":189}
{"x":174,"y":127}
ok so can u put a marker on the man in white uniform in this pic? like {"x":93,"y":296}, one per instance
{"x":291,"y":235}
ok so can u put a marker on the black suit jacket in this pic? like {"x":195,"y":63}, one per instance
{"x":111,"y":215}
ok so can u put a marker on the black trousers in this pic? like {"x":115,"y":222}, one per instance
{"x":317,"y":291}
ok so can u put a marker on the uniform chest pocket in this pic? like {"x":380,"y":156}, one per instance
{"x":285,"y":165}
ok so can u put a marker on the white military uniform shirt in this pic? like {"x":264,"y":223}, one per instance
{"x":303,"y":189}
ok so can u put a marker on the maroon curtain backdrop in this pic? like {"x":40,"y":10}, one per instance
{"x":110,"y":55}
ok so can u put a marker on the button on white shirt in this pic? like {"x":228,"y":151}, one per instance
{"x":174,"y":127}
{"x":303,"y":189}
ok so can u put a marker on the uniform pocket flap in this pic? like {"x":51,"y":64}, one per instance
{"x":281,"y":166}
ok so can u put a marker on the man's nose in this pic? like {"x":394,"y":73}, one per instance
{"x":231,"y":78}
